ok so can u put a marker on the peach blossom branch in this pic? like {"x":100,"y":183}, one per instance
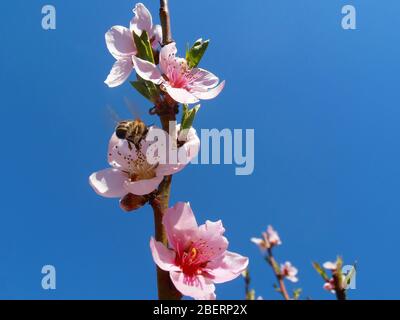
{"x":340,"y":291}
{"x":160,"y":203}
{"x":165,"y":22}
{"x":277,"y":272}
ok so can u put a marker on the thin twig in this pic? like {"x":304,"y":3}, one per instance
{"x":247,"y":280}
{"x":277,"y":272}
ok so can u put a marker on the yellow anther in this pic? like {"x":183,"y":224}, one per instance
{"x":193,"y":253}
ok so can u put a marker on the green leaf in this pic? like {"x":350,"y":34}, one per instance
{"x":297,"y":293}
{"x":320,"y":270}
{"x":277,"y":288}
{"x":143,"y":45}
{"x":251,"y":295}
{"x":145,"y":52}
{"x":185,"y":109}
{"x":339,"y":264}
{"x":188,"y":116}
{"x":146,"y":88}
{"x":194,"y":54}
{"x":141,"y":87}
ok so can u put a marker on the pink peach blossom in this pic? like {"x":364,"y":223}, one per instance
{"x":330,"y":286}
{"x":132,"y":172}
{"x":289,"y":272}
{"x":121,"y":45}
{"x":183,"y":84}
{"x":330,"y":266}
{"x":198,"y":256}
{"x":270,"y":239}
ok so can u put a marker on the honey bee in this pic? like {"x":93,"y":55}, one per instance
{"x":132,"y":131}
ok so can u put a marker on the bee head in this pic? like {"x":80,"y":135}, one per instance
{"x":120,"y":132}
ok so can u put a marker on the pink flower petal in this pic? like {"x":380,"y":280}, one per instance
{"x":143,"y":187}
{"x":210,"y":94}
{"x":169,"y":169}
{"x":180,"y":224}
{"x":330,"y":266}
{"x":142,"y":20}
{"x":190,"y":149}
{"x":181,"y":95}
{"x":120,"y":43}
{"x":215,"y":228}
{"x":211,"y":296}
{"x":209,"y":242}
{"x":293,"y":279}
{"x":108,"y":183}
{"x":330,"y":286}
{"x":162,"y":256}
{"x":186,"y":153}
{"x":197,"y":287}
{"x":231,"y":266}
{"x":167,"y":55}
{"x":156,"y":36}
{"x":203,"y":78}
{"x":119,"y":73}
{"x":147,"y":70}
{"x":272,"y":236}
{"x":289,"y":271}
{"x":155,"y":146}
{"x":120,"y":154}
{"x":259,"y":242}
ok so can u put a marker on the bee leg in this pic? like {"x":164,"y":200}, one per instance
{"x":129,"y":145}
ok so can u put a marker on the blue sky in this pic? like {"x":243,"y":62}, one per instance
{"x":324,"y":105}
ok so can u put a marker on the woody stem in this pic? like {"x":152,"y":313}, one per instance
{"x":340,"y":291}
{"x":165,"y":22}
{"x":166,"y":289}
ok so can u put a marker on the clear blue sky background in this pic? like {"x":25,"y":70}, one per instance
{"x":324,"y":103}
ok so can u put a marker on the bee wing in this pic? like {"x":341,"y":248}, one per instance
{"x":133,"y":108}
{"x":112,"y":116}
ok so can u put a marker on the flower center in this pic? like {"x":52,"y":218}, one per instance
{"x":190,"y":261}
{"x":142,"y":171}
{"x":139,"y":169}
{"x":178,"y":74}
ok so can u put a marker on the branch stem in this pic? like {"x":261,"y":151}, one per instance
{"x":340,"y":291}
{"x":277,"y":272}
{"x":165,"y":22}
{"x":166,"y":289}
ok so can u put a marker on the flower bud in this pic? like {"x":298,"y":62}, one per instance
{"x":132,"y":202}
